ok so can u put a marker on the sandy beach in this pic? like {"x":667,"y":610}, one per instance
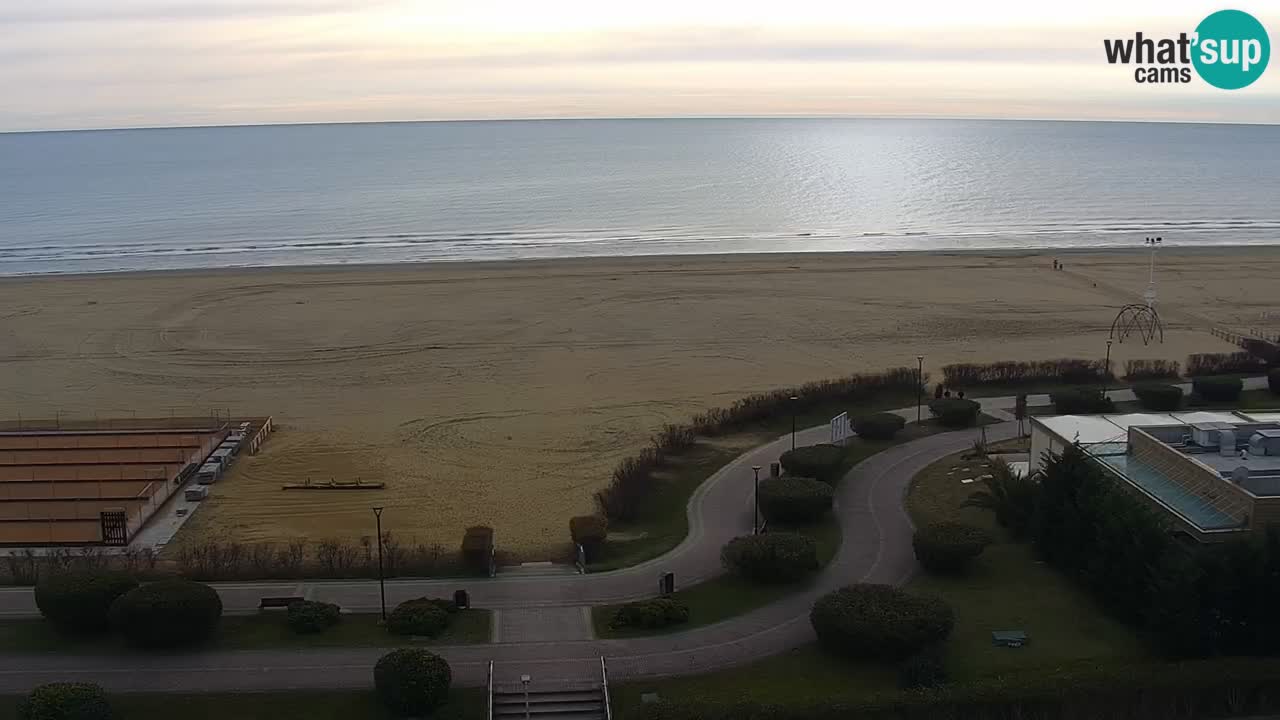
{"x":503,"y":393}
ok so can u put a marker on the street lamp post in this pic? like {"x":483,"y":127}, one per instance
{"x":755,"y":513}
{"x":794,"y":400}
{"x":1106,"y":377}
{"x":382,"y":583}
{"x":919,"y":385}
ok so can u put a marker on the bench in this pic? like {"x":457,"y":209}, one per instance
{"x":278,"y":602}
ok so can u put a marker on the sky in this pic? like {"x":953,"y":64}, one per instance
{"x":68,"y":64}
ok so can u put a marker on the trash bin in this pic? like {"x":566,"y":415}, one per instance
{"x":461,"y":599}
{"x":775,"y":470}
{"x":667,"y":583}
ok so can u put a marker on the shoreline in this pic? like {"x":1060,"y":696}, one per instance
{"x":584,"y":260}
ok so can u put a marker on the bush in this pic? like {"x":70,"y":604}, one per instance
{"x":771,"y":558}
{"x":1065,"y":370}
{"x":167,"y":613}
{"x":308,"y":616}
{"x":794,"y":500}
{"x":1081,"y":400}
{"x":879,"y":622}
{"x":1151,"y":370}
{"x":1223,"y":364}
{"x":1010,"y":496}
{"x":477,"y":549}
{"x":650,"y":614}
{"x":590,"y":532}
{"x":1218,"y":389}
{"x":881,"y":426}
{"x":421,"y":617}
{"x":1273,"y":381}
{"x":925,"y":669}
{"x":955,"y":412}
{"x":80,"y":602}
{"x":1155,"y":396}
{"x":412,"y":681}
{"x":65,"y":701}
{"x":948,"y":548}
{"x":824,"y":462}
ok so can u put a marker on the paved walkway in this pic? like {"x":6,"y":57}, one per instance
{"x":541,"y":628}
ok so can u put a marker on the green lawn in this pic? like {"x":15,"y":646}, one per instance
{"x":463,"y":704}
{"x":1249,"y":400}
{"x":725,"y":596}
{"x":1009,"y":589}
{"x":253,"y":632}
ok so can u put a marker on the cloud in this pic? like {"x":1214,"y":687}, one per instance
{"x":108,"y":11}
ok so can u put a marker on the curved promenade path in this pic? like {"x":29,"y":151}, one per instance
{"x":542,"y":622}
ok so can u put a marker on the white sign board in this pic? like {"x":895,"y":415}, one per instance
{"x":840,"y":429}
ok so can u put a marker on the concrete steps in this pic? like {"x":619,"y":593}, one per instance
{"x":549,"y":701}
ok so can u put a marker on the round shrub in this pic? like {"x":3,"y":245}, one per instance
{"x":590,"y":532}
{"x":955,"y":412}
{"x":1081,"y":400}
{"x":412,"y":681}
{"x":925,"y":669}
{"x":772,"y":557}
{"x":1158,"y":396}
{"x":1217,"y":388}
{"x":309,"y":617}
{"x":423,"y":617}
{"x":167,"y":613}
{"x":65,"y":701}
{"x":80,"y":602}
{"x":650,"y":614}
{"x":881,"y":426}
{"x":879,"y":622}
{"x":948,"y":548}
{"x":794,"y":500}
{"x":823,"y":462}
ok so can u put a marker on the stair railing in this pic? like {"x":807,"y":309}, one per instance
{"x":604,"y":685}
{"x":490,"y":685}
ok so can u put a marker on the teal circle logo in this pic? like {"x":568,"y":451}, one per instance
{"x":1232,"y":49}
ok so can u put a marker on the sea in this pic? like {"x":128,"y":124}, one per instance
{"x":119,"y":200}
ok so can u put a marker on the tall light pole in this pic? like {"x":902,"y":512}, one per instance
{"x":794,"y":400}
{"x":755,"y":514}
{"x":382,"y":583}
{"x":919,"y":385}
{"x":1150,"y":295}
{"x":1106,"y":370}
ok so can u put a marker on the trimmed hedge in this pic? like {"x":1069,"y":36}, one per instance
{"x":1159,"y":397}
{"x":80,"y":602}
{"x":1273,"y":381}
{"x":66,"y":701}
{"x":589,"y":531}
{"x":948,"y":548}
{"x":167,"y":613}
{"x":650,"y":614}
{"x":1066,"y":370}
{"x":421,"y":617}
{"x":771,"y":558}
{"x":308,"y":616}
{"x":955,"y":412}
{"x":1223,"y":364}
{"x":880,"y":426}
{"x":794,"y":500}
{"x":1151,"y":370}
{"x":412,"y":681}
{"x":477,"y":548}
{"x":1079,"y":401}
{"x":1218,"y":389}
{"x":824,"y":462}
{"x":879,"y":622}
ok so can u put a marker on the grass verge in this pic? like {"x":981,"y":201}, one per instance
{"x":253,"y":632}
{"x":725,"y":596}
{"x":463,"y":704}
